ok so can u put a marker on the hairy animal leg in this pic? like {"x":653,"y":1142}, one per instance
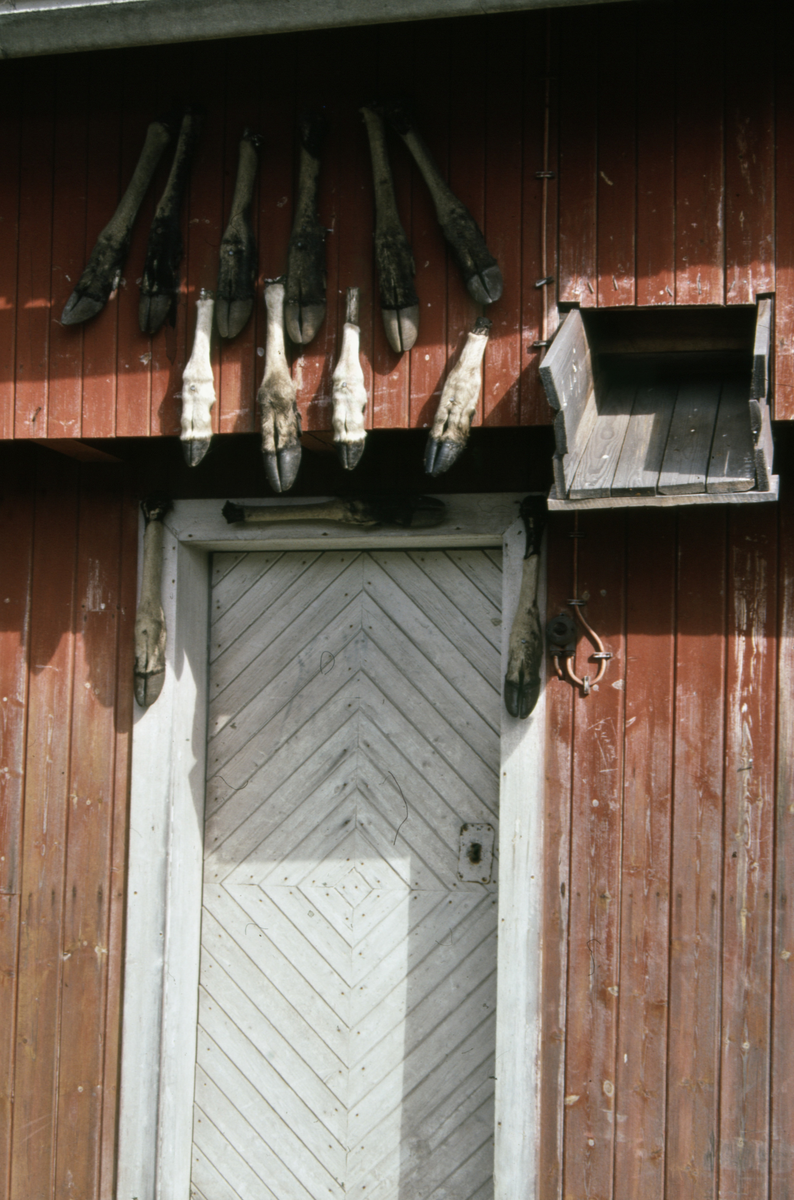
{"x":480,"y":269}
{"x":348,"y":391}
{"x":198,"y":387}
{"x":305,"y":287}
{"x":450,"y":430}
{"x":525,"y":648}
{"x":236,"y":291}
{"x":277,"y":398}
{"x":149,"y":670}
{"x":160,"y":281}
{"x":395,"y":261}
{"x":103,"y":271}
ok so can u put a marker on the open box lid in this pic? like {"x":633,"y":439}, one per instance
{"x":661,"y":407}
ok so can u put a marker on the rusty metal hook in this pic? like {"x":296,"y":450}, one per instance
{"x":601,"y":654}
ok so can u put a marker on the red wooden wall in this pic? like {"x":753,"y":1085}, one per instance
{"x":68,"y":547}
{"x":667,"y":979}
{"x":672,"y":149}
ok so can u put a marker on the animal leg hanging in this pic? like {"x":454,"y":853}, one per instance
{"x":305,"y":287}
{"x":198,"y":387}
{"x":398,"y":299}
{"x":407,"y":512}
{"x":160,"y":282}
{"x":480,"y":269}
{"x":525,"y":650}
{"x":349,"y":393}
{"x":103,"y":271}
{"x":149,"y":672}
{"x":277,"y":398}
{"x":236,"y":291}
{"x":450,"y":430}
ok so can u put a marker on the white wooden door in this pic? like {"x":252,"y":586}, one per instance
{"x":348,"y":975}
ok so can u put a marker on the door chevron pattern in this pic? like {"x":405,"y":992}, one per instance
{"x":348,"y":976}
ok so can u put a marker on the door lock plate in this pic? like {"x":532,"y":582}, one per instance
{"x":475,"y":856}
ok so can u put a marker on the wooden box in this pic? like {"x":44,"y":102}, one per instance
{"x":661,"y":406}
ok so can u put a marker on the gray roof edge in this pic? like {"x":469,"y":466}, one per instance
{"x":35,"y":27}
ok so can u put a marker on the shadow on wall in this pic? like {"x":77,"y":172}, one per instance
{"x":69,"y":538}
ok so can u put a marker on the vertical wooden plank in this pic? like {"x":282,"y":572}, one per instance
{"x":617,"y":161}
{"x":556,"y":877}
{"x":105,"y":187}
{"x":322,"y":55}
{"x":645,"y":894}
{"x":392,"y":372}
{"x":748,"y":854}
{"x":138,"y":70}
{"x":44,"y":831}
{"x":84,"y":931}
{"x":539,"y":210}
{"x":695,"y":927}
{"x":125,"y":616}
{"x":34,"y":261}
{"x":656,"y":158}
{"x":784,"y":217}
{"x":238,"y":356}
{"x":594,"y":939}
{"x":578,"y":156}
{"x":503,"y":211}
{"x":65,"y":368}
{"x":16,"y":542}
{"x":170,"y":349}
{"x":469,"y":43}
{"x":749,"y":164}
{"x":432,"y":84}
{"x":782,"y":1131}
{"x":700,"y":166}
{"x":10,"y":87}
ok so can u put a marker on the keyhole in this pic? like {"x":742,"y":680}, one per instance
{"x":474,"y":853}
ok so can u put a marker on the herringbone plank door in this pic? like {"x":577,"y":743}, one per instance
{"x":347,"y":1000}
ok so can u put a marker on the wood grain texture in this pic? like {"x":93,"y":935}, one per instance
{"x":749,"y":165}
{"x":656,"y":167}
{"x":34,"y":271}
{"x":556,"y":883}
{"x":578,"y":158}
{"x":699,"y":156}
{"x":686,"y":455}
{"x":784,"y":218}
{"x":617,"y":157}
{"x":10,"y":134}
{"x":748,"y":855}
{"x":17,"y":550}
{"x":503,"y":213}
{"x":645,"y":895}
{"x":595,"y":878}
{"x":43,"y":865}
{"x":781,"y":1156}
{"x":696,"y":881}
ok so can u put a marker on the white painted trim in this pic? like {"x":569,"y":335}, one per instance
{"x":165,"y":860}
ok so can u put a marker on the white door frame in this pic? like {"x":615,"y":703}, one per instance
{"x":165,"y":856}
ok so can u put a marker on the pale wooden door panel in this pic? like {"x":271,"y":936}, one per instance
{"x":348,"y":976}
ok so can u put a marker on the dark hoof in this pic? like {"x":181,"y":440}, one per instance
{"x":281,"y":468}
{"x":439,"y":456}
{"x":148,"y":687}
{"x":194,"y":450}
{"x":402,"y":327}
{"x":303,"y":321}
{"x":231,"y":316}
{"x":152,"y":313}
{"x":350,"y":453}
{"x":80,"y":308}
{"x":521,"y":697}
{"x":487,"y":286}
